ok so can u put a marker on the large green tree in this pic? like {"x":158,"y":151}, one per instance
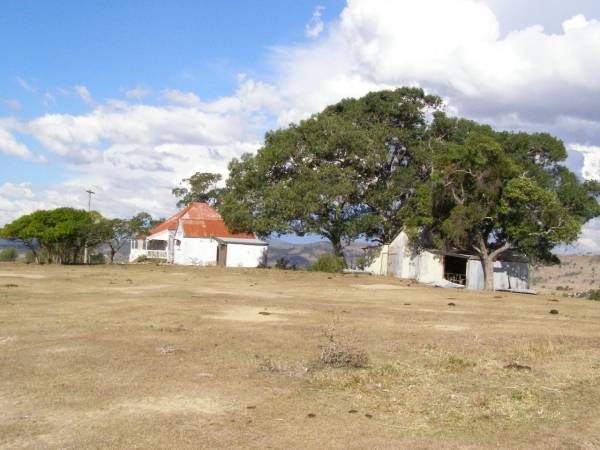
{"x":200,"y":187}
{"x":345,"y":172}
{"x":492,"y":192}
{"x":63,"y":232}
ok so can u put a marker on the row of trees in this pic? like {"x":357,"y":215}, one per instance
{"x":62,"y":234}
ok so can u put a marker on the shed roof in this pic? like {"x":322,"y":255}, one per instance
{"x":199,"y":220}
{"x":243,"y":241}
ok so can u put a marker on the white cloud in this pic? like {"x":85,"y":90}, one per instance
{"x":137,"y":93}
{"x":590,"y":169}
{"x":315,"y":27}
{"x":10,"y":146}
{"x":453,"y":48}
{"x":181,"y":98}
{"x":577,"y":22}
{"x":16,"y":190}
{"x":83,"y":93}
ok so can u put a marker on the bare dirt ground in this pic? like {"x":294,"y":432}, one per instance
{"x":168,"y":357}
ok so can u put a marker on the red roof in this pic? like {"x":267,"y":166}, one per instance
{"x":199,"y":220}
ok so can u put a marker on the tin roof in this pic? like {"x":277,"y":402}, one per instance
{"x":239,"y":240}
{"x":199,"y":220}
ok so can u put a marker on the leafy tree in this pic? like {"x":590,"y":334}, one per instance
{"x":118,"y":233}
{"x":201,"y":187}
{"x":21,"y":230}
{"x":345,"y":172}
{"x":493,"y":192}
{"x":62,"y":233}
{"x":9,"y":254}
{"x":142,"y":223}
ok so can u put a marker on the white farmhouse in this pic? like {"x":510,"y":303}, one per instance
{"x":197,"y":235}
{"x":402,"y":260}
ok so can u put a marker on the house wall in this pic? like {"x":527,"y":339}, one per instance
{"x":245,"y":255}
{"x":195,"y":251}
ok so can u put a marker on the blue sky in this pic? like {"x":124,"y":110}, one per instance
{"x":129,"y":97}
{"x":113,"y":46}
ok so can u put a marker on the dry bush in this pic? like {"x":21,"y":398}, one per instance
{"x":342,"y":350}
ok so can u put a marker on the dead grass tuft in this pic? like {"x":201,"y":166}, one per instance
{"x":342,"y":350}
{"x":479,"y":399}
{"x":166,"y":349}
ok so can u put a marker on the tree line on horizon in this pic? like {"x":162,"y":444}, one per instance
{"x":392,"y":161}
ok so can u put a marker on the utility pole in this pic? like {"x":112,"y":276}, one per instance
{"x":85,"y":249}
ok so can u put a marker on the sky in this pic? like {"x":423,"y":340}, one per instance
{"x":128,"y":97}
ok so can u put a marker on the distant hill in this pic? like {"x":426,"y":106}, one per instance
{"x":302,"y":255}
{"x":575,"y":273}
{"x":6,"y":244}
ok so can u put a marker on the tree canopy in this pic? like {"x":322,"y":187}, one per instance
{"x":392,"y":160}
{"x":63,"y":232}
{"x":201,"y":187}
{"x":345,"y":172}
{"x":491,"y":192}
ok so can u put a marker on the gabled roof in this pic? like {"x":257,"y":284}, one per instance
{"x":199,"y":220}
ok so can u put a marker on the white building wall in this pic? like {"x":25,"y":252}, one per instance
{"x":380,"y":263}
{"x":430,"y":267}
{"x":245,"y":255}
{"x":507,"y":275}
{"x":135,"y":253}
{"x":195,"y":251}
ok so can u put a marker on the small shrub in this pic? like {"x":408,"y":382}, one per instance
{"x":141,"y":259}
{"x":98,"y":258}
{"x":564,"y":288}
{"x":362,"y":262}
{"x":593,"y":294}
{"x":328,"y":263}
{"x":341,"y":351}
{"x":9,"y":254}
{"x":282,"y":263}
{"x":29,"y":257}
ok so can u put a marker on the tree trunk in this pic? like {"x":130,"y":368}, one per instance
{"x":338,"y":248}
{"x":488,"y":271}
{"x":487,"y":261}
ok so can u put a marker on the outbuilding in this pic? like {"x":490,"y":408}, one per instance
{"x":197,"y":235}
{"x":401,"y":259}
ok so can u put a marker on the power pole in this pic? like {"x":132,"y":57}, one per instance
{"x":85,"y":249}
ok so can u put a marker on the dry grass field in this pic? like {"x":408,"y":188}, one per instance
{"x":154,"y":356}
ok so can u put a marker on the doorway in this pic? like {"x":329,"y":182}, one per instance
{"x":222,"y":255}
{"x":455,"y":269}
